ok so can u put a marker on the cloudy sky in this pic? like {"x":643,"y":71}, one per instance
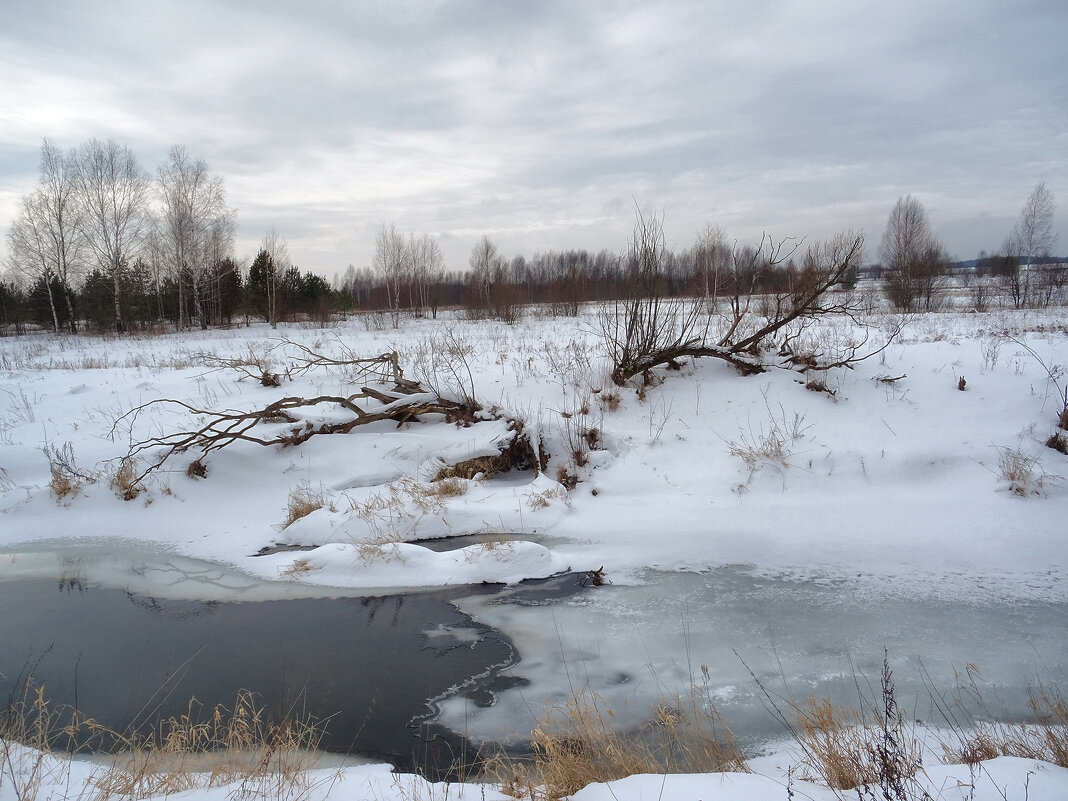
{"x":543,"y":124}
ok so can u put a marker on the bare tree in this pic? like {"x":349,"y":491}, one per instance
{"x":196,"y":226}
{"x":493,"y":293}
{"x":428,"y":265}
{"x":712,"y":259}
{"x":276,"y":249}
{"x":392,"y":264}
{"x":482,"y":263}
{"x":646,"y":329}
{"x":1031,"y":243}
{"x":63,"y":219}
{"x":29,"y":249}
{"x":913,"y":258}
{"x":114,"y":192}
{"x":46,"y":241}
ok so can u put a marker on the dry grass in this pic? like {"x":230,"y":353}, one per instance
{"x":577,"y":744}
{"x":609,"y":401}
{"x":238,"y":745}
{"x":243,"y":744}
{"x":62,"y":484}
{"x":299,"y":567}
{"x":124,"y":480}
{"x":1023,"y":472}
{"x":764,"y":448}
{"x":544,"y":499}
{"x":980,"y":735}
{"x":846,"y":749}
{"x":479,"y":466}
{"x":393,"y":513}
{"x":1058,"y":442}
{"x":452,"y":487}
{"x":67,"y":477}
{"x":771,"y":445}
{"x":303,"y":500}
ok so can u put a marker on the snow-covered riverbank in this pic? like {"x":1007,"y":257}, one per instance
{"x":893,"y":487}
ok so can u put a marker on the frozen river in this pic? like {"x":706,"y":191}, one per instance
{"x":800,"y":636}
{"x":131,"y":635}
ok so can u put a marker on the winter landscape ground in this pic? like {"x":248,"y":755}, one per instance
{"x":747,"y":537}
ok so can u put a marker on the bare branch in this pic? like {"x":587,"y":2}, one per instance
{"x":226,"y":427}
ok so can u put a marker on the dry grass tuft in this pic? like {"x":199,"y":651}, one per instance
{"x":518,"y":454}
{"x":847,"y":749}
{"x":981,"y":736}
{"x":484,"y":466}
{"x":197,"y":469}
{"x":299,"y":568}
{"x":62,"y":484}
{"x":609,"y":401}
{"x":303,"y":500}
{"x":1058,"y":442}
{"x":393,"y":513}
{"x":268,"y":758}
{"x":67,"y":477}
{"x":836,"y":744}
{"x":124,"y":481}
{"x":452,"y":487}
{"x":577,"y":744}
{"x":766,"y":448}
{"x":1022,"y":471}
{"x":544,"y":499}
{"x":565,"y":478}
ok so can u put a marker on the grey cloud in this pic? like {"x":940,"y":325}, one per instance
{"x":543,"y":123}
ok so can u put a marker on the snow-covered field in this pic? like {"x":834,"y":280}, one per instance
{"x":894,"y":487}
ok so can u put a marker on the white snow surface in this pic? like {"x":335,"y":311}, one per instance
{"x":889,"y":487}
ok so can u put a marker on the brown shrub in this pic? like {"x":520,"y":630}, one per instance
{"x":124,"y":481}
{"x":577,"y":744}
{"x":1058,"y":442}
{"x":303,"y":500}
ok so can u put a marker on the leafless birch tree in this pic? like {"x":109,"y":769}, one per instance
{"x":46,"y":240}
{"x":196,"y":227}
{"x":114,"y":192}
{"x":276,"y":248}
{"x":428,"y":265}
{"x":1030,"y":244}
{"x":391,"y":263}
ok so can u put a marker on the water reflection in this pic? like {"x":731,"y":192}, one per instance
{"x":129,"y":660}
{"x":119,"y":643}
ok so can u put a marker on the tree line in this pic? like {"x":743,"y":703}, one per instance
{"x":100,"y":243}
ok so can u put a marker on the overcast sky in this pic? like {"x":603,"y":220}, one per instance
{"x":543,"y":124}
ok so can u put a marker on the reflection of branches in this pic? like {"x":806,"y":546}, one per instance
{"x":180,"y":610}
{"x":373,"y":603}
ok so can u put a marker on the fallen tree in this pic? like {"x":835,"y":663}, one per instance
{"x":647,"y":330}
{"x":405,"y":401}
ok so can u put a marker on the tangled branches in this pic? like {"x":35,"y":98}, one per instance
{"x":647,"y":329}
{"x":384,"y":368}
{"x":295,"y":419}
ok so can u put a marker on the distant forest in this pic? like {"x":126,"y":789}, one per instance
{"x":100,"y":245}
